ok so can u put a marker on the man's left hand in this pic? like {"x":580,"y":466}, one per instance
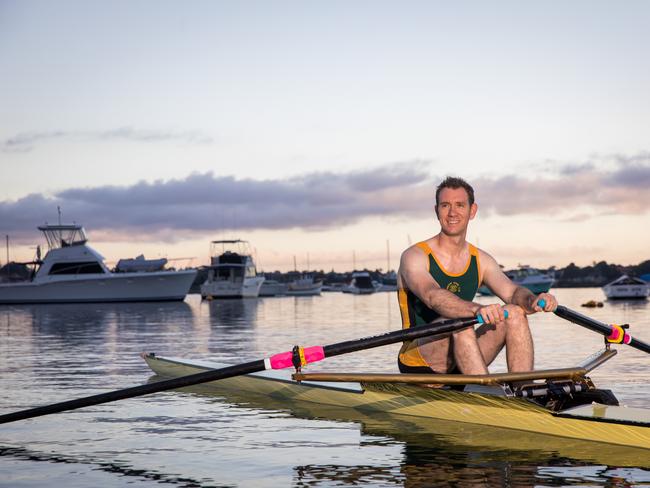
{"x":549,"y":305}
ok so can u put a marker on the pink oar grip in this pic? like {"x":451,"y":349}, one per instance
{"x":314,"y":354}
{"x":282,"y":360}
{"x":285,"y":359}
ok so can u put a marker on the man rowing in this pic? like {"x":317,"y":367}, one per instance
{"x":439,"y":277}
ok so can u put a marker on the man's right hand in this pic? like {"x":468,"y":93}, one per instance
{"x":492,"y":313}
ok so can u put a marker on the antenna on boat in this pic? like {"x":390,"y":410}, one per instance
{"x":58,"y":209}
{"x":7,"y":248}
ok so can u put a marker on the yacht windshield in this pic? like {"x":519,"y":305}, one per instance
{"x":63,"y":235}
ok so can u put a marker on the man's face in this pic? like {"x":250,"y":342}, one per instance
{"x":454,"y":211}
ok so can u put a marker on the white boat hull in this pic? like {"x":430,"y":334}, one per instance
{"x":110,"y":287}
{"x":246,"y":288}
{"x":627,"y":291}
{"x":305,"y":292}
{"x":359,"y":291}
{"x":272,"y":289}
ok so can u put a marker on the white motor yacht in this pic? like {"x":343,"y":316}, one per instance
{"x":73,"y":272}
{"x":360,"y":284}
{"x":627,"y":287}
{"x":531,"y":278}
{"x":232,"y":272}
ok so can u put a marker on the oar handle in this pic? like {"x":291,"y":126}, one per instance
{"x":480,"y":320}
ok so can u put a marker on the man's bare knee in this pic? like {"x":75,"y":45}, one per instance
{"x":516,"y":314}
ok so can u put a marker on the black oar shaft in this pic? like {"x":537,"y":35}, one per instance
{"x":135,"y":391}
{"x":438,"y":328}
{"x":596,"y":326}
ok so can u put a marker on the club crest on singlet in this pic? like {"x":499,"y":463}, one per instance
{"x":453,"y":287}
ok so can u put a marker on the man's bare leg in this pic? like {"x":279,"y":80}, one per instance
{"x":461,"y":348}
{"x":473,"y":350}
{"x":435,"y":351}
{"x":467,"y":352}
{"x":515,"y":334}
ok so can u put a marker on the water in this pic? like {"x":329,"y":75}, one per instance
{"x":50,"y":353}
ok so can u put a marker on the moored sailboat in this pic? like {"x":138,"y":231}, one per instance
{"x":305,"y":286}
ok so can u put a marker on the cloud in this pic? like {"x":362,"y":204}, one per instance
{"x":612,"y":184}
{"x":202,"y":203}
{"x":27,"y":141}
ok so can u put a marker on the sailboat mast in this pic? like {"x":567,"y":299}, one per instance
{"x":387,"y":256}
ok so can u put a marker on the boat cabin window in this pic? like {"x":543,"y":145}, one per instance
{"x":363,"y":282}
{"x":231,"y":258}
{"x":228,"y":273}
{"x":89,"y":267}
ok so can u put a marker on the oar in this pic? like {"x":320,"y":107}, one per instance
{"x":613,"y":333}
{"x":297,"y":357}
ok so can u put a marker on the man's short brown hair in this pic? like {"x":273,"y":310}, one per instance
{"x":455,"y":182}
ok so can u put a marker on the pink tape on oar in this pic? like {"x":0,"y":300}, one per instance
{"x":285,"y":359}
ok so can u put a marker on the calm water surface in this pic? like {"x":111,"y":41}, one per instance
{"x":50,"y":353}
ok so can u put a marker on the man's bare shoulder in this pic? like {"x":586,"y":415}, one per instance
{"x":487,"y":261}
{"x":415,"y":252}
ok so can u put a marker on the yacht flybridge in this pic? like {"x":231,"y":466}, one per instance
{"x":72,"y":271}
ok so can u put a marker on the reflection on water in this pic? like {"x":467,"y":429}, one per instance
{"x":234,"y":314}
{"x":51,"y":353}
{"x":423,"y":438}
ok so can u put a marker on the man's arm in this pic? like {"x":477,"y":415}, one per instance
{"x":506,"y":290}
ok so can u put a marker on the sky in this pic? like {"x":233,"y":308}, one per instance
{"x":318,"y":131}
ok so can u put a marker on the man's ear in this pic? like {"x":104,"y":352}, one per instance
{"x":472,"y":210}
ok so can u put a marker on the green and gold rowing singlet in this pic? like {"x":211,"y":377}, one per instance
{"x":415,"y":312}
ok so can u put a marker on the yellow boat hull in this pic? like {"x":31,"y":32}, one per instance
{"x":621,"y":426}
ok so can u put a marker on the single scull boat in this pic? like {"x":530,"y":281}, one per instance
{"x":560,"y":402}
